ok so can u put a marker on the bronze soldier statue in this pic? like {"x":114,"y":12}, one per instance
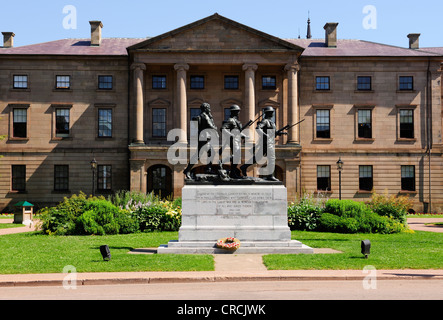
{"x":233,"y":128}
{"x":205,"y":121}
{"x":266,"y":144}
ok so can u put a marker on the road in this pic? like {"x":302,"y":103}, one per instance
{"x":255,"y":290}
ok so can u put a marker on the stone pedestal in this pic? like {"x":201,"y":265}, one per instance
{"x":255,"y":214}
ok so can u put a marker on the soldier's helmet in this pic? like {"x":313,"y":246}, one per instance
{"x":234,"y":107}
{"x":268,"y":109}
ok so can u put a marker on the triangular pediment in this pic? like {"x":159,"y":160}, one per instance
{"x":215,"y":33}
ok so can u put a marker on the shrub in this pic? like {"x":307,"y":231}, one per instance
{"x":332,"y":223}
{"x":304,"y":215}
{"x":347,"y":216}
{"x":81,"y":215}
{"x":132,"y":200}
{"x":395,"y":207}
{"x":346,"y":208}
{"x":102,"y":217}
{"x":162,"y":216}
{"x":304,"y":212}
{"x":61,"y":220}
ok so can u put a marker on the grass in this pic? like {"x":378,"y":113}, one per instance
{"x":10,"y":225}
{"x":419,"y":250}
{"x":425,"y":215}
{"x":37,"y":253}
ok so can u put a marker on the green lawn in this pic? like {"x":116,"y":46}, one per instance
{"x":10,"y":225}
{"x":35,"y":253}
{"x":419,"y":250}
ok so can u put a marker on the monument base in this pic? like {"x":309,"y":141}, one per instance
{"x":255,"y":214}
{"x":247,"y":247}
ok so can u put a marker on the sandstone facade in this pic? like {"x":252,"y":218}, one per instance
{"x":125,"y":95}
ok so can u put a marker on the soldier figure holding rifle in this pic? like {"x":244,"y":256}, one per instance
{"x":266,"y":145}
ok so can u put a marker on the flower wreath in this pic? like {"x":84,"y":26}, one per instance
{"x":229,"y":243}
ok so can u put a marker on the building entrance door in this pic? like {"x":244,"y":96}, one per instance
{"x":160,"y":180}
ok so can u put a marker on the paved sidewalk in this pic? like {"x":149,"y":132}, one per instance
{"x":425,"y":224}
{"x":212,"y":276}
{"x":29,"y":228}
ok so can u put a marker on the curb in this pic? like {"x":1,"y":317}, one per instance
{"x":108,"y":279}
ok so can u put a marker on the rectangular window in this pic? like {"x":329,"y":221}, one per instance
{"x":104,"y":177}
{"x":63,"y":82}
{"x":365,"y":124}
{"x":324,"y":178}
{"x":105,"y":123}
{"x":62,"y":123}
{"x":18,"y":181}
{"x":406,"y":83}
{"x":159,"y":123}
{"x":227,"y":113}
{"x":364,"y":83}
{"x":408,"y":178}
{"x":406,"y":123}
{"x":19,"y":123}
{"x":322,"y":83}
{"x":194,"y":113}
{"x":61,"y":178}
{"x":20,"y":82}
{"x":365,"y":178}
{"x":105,"y":82}
{"x":269,"y":83}
{"x":158,"y":82}
{"x":197,"y":82}
{"x":323,"y":124}
{"x":231,"y":82}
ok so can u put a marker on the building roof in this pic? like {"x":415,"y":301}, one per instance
{"x":108,"y":47}
{"x":358,"y":48}
{"x":436,"y":50}
{"x":23,"y":204}
{"x":310,"y":47}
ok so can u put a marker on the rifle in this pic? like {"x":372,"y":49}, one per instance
{"x":250,"y":123}
{"x":287,"y":127}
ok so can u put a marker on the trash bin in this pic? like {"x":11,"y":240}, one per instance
{"x":23,"y":212}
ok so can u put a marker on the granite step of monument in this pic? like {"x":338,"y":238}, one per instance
{"x":303,"y":249}
{"x":244,"y":244}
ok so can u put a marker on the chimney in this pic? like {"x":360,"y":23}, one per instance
{"x":414,"y":42}
{"x":96,"y":33}
{"x":8,"y":39}
{"x":331,"y":34}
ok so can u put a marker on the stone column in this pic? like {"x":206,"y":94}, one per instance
{"x":139,"y":102}
{"x":292,"y":69}
{"x":182,"y":99}
{"x":137,"y":175}
{"x":250,"y":69}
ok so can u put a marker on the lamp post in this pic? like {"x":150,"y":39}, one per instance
{"x":93,"y":168}
{"x":339,"y":168}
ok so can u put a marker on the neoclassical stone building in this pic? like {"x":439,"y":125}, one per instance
{"x":66,"y":102}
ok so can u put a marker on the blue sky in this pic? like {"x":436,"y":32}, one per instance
{"x":40,"y":21}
